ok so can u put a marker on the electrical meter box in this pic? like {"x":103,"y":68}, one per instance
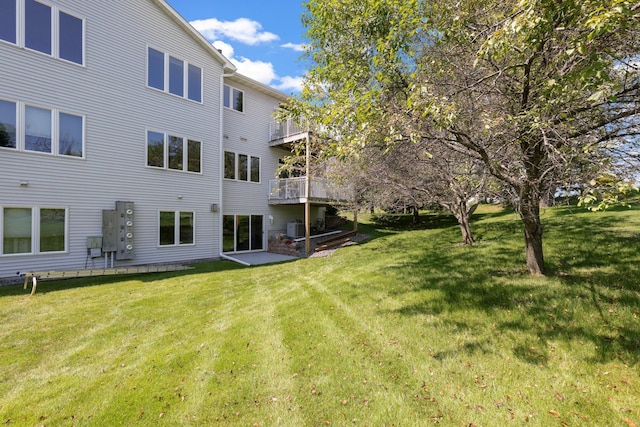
{"x":117,"y":231}
{"x":125,"y":232}
{"x":110,"y":228}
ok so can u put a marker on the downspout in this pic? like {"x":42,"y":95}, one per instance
{"x":221,"y":165}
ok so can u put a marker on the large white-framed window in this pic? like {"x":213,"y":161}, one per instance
{"x":173,"y":75}
{"x":233,"y":98}
{"x":39,"y":129}
{"x":167,"y":151}
{"x":176,"y":228}
{"x":42,"y":27}
{"x":241,"y":167}
{"x":28,"y":230}
{"x":242,"y":233}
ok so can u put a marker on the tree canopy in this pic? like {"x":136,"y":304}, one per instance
{"x":544,"y":93}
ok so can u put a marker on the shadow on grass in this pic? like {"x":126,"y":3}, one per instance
{"x":592,"y":293}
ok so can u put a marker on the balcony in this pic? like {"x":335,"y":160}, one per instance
{"x":294,"y":190}
{"x":285,"y":132}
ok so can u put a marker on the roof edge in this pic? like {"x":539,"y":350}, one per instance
{"x":264,"y":88}
{"x":226,"y":63}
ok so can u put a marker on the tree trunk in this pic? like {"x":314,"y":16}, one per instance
{"x":416,"y":215}
{"x":463,"y":216}
{"x":530,"y":215}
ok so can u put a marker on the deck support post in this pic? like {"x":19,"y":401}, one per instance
{"x":307,"y":203}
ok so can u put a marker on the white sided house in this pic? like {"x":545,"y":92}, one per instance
{"x":261,"y":209}
{"x":104,"y":102}
{"x":127,"y":139}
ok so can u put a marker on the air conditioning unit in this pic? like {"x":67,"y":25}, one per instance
{"x":295,"y":229}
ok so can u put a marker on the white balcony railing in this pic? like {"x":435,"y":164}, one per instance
{"x":280,"y":130}
{"x":294,"y":189}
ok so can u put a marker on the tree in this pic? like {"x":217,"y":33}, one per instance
{"x":539,"y":91}
{"x":414,"y":175}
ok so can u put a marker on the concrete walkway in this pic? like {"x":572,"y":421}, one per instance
{"x":258,"y":258}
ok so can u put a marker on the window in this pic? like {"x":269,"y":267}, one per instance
{"x":195,"y":83}
{"x":176,"y":76}
{"x":52,"y":230}
{"x":155,"y":149}
{"x":70,"y":41}
{"x":8,"y":124}
{"x":8,"y":20}
{"x":42,"y":28}
{"x":173,"y":75}
{"x":37,"y":26}
{"x":233,"y":98}
{"x":194,"y":155}
{"x":37,"y":129}
{"x":176,"y":152}
{"x":180,"y":153}
{"x":229,"y":165}
{"x":243,"y":167}
{"x":242,"y":233}
{"x":29,"y":128}
{"x":70,"y":135}
{"x":28,"y":230}
{"x":248,"y":167}
{"x":176,"y":228}
{"x":155,"y":69}
{"x":255,"y":169}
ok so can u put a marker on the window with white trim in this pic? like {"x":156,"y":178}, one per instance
{"x":40,"y":27}
{"x":241,"y":167}
{"x":233,"y":98}
{"x":173,"y":152}
{"x":25,"y":127}
{"x":242,"y":233}
{"x":176,"y":228}
{"x":173,"y":75}
{"x":33,"y":230}
{"x":8,"y":124}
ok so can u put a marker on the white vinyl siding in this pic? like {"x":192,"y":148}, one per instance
{"x":118,"y":108}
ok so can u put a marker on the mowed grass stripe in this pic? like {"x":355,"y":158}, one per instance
{"x":408,"y":329}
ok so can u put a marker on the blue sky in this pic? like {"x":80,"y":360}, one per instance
{"x":263,"y":38}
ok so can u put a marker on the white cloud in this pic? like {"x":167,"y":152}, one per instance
{"x":242,"y":29}
{"x":257,"y":70}
{"x":293,"y":46}
{"x":289,"y":84}
{"x":226,"y":49}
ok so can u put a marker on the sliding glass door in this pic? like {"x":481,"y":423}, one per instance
{"x":242,"y":233}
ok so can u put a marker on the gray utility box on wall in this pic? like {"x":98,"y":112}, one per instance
{"x":117,"y":231}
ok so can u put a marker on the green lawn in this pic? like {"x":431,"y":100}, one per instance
{"x":409,"y":328}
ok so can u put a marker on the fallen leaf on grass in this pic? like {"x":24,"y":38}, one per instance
{"x":554,"y":413}
{"x":629,"y":422}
